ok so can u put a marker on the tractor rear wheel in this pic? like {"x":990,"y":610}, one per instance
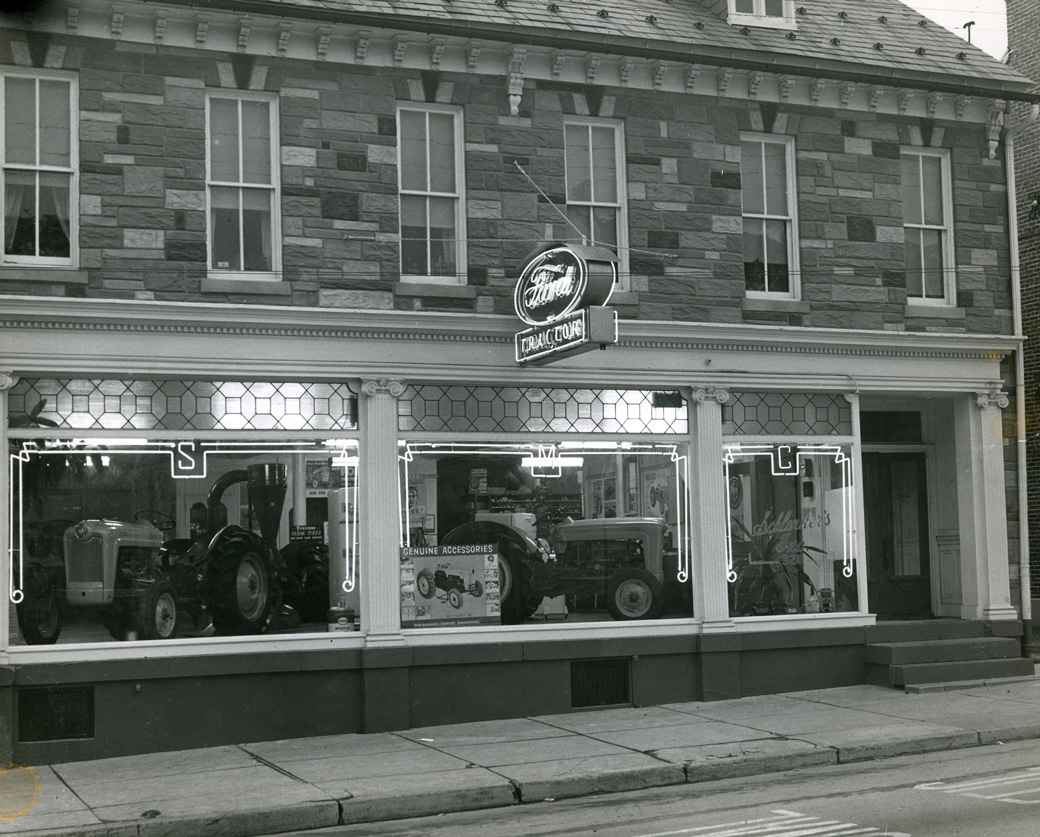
{"x":244,"y":595}
{"x":41,"y":612}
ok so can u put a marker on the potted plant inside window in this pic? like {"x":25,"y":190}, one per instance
{"x":771,"y":578}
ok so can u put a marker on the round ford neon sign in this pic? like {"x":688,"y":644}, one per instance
{"x":558,"y":279}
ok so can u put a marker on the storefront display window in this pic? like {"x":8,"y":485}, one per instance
{"x":142,"y":536}
{"x":790,"y":513}
{"x":518,"y":533}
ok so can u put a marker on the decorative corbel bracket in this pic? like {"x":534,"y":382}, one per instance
{"x":472,"y":55}
{"x":591,"y":68}
{"x":72,"y":18}
{"x":400,"y":46}
{"x":324,"y":36}
{"x":284,"y":31}
{"x":994,"y":122}
{"x":933,"y":101}
{"x":874,"y":98}
{"x":754,"y":79}
{"x":816,"y":90}
{"x":960,"y":105}
{"x":361,"y":46}
{"x":845,"y":92}
{"x":657,"y":74}
{"x":515,"y":79}
{"x":436,"y":53}
{"x":201,"y":29}
{"x":722,"y":78}
{"x":624,"y":70}
{"x":557,"y":64}
{"x":244,"y":25}
{"x":116,"y":24}
{"x":784,"y":85}
{"x":904,"y":99}
{"x":160,"y":25}
{"x":690,"y":73}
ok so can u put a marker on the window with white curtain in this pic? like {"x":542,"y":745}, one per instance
{"x":769,"y":207}
{"x":927,"y":213}
{"x":242,"y":185}
{"x":595,"y":167}
{"x":431,"y":189}
{"x":39,"y":166}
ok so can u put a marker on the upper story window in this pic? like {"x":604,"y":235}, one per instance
{"x":242,"y":185}
{"x":927,"y":214}
{"x":769,"y":207}
{"x":430,"y":169}
{"x":39,"y":168}
{"x":595,"y":173}
{"x":775,"y":14}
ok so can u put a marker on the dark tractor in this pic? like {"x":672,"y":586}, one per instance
{"x":623,"y":561}
{"x":146,"y":587}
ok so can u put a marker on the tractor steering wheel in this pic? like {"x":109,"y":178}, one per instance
{"x":159,"y":519}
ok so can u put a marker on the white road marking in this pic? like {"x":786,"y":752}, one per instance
{"x":781,"y":824}
{"x":995,"y":788}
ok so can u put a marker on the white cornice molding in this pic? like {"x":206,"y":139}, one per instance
{"x":40,"y":315}
{"x":230,"y":32}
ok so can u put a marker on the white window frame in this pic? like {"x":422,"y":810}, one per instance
{"x":458,"y":195}
{"x":621,"y":190}
{"x":760,"y":18}
{"x":72,"y":169}
{"x":949,"y":297}
{"x":274,"y":188}
{"x":791,"y":218}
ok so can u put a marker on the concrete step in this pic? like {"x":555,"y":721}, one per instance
{"x":925,"y":630}
{"x":943,"y":650}
{"x":899,"y":676}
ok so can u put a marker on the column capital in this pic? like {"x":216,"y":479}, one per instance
{"x":7,"y":380}
{"x":993,"y":398}
{"x":703,"y":395}
{"x":387,"y":386}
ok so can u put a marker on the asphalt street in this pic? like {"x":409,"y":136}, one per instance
{"x":983,"y":792}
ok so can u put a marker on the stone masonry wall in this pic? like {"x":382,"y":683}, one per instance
{"x":143,"y":220}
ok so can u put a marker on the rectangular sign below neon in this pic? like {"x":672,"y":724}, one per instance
{"x":582,"y":331}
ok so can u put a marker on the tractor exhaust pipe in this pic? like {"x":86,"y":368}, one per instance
{"x":267,"y":486}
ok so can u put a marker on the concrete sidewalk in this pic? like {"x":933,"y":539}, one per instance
{"x":274,"y":786}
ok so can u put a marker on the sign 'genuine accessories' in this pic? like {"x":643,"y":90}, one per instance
{"x":562,"y":291}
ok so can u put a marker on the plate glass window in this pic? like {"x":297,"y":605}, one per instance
{"x":926,"y":222}
{"x":242,"y":186}
{"x":431,"y":195}
{"x":768,"y":202}
{"x":777,"y":14}
{"x":596,"y":186}
{"x":38,"y":169}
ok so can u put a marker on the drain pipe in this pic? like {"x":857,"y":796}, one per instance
{"x":1020,"y":382}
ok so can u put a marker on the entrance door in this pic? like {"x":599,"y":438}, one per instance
{"x":896,"y":508}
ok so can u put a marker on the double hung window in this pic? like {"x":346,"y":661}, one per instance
{"x":770,"y":215}
{"x":595,"y":171}
{"x":431,"y":188}
{"x":776,"y":14}
{"x":242,"y":183}
{"x":39,"y":169}
{"x":927,"y":210}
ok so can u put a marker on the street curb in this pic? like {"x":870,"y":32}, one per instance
{"x":348,"y":811}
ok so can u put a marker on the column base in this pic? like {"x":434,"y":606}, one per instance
{"x":718,"y":626}
{"x":384,"y":640}
{"x":996,"y":614}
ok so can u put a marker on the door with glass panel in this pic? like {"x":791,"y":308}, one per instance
{"x":895,"y":501}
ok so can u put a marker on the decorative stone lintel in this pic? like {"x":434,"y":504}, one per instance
{"x":7,"y":380}
{"x":711,"y":394}
{"x":993,"y":398}
{"x":383,"y":386}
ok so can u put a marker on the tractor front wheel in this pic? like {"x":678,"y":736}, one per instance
{"x":157,"y":611}
{"x":635,"y":594}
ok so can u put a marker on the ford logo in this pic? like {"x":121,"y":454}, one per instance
{"x":557,"y":279}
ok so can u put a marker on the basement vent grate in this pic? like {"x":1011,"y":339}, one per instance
{"x":600,"y":683}
{"x":55,"y":713}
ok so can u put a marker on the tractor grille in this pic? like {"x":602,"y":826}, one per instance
{"x":84,"y":560}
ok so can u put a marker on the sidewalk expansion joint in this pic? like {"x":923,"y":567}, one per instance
{"x":272,"y":765}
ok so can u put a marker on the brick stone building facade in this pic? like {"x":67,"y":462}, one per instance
{"x":285,"y":239}
{"x":1024,"y":56}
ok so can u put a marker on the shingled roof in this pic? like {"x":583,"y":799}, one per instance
{"x":872,"y":41}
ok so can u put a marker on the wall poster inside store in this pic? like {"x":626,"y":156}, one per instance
{"x":449,"y":586}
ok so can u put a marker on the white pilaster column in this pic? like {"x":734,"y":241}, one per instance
{"x":708,"y":511}
{"x":379,"y":510}
{"x":985,"y":589}
{"x":7,"y":380}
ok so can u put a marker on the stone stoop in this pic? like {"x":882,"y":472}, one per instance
{"x":900,"y":654}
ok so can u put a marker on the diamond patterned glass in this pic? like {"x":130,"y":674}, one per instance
{"x":486,"y":409}
{"x":787,"y":414}
{"x":78,"y":404}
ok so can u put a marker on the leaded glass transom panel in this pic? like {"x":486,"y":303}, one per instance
{"x":79,"y":404}
{"x":787,"y":414}
{"x":487,"y":409}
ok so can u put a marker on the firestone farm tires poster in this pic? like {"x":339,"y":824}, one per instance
{"x":448,"y":586}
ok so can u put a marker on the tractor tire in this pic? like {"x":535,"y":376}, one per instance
{"x":455,"y":599}
{"x":425,"y":584}
{"x":42,"y":612}
{"x":635,"y":594}
{"x":244,"y":594}
{"x":514,"y":583}
{"x":476,"y":589}
{"x":158,"y":611}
